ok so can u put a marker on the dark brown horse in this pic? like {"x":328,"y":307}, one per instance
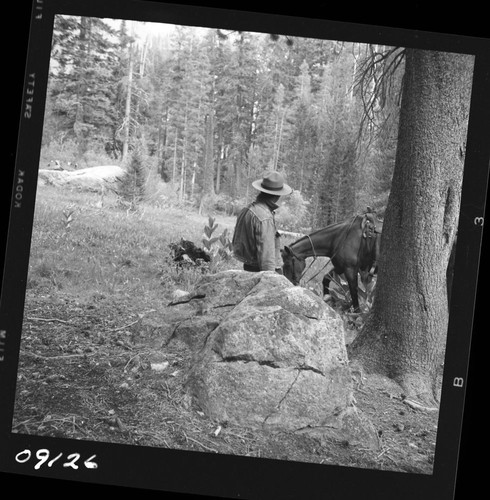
{"x":353,"y":248}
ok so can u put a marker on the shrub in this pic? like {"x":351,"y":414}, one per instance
{"x":224,"y":203}
{"x":66,"y":151}
{"x":62,"y":150}
{"x":159,"y":193}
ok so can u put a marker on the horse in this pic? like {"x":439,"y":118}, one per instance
{"x":352,"y":246}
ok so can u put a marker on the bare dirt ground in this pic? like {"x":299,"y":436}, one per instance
{"x":90,"y":370}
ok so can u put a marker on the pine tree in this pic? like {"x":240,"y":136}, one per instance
{"x":132,"y":186}
{"x":303,"y":136}
{"x":223,"y":106}
{"x":188,"y":104}
{"x":81,"y":84}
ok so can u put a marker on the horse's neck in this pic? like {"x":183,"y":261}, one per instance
{"x":303,"y":247}
{"x":323,"y":242}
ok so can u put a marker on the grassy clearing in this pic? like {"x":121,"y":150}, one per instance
{"x":85,"y":244}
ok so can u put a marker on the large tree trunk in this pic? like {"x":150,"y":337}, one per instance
{"x":404,"y":337}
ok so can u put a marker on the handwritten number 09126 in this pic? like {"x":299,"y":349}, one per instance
{"x":43,"y":456}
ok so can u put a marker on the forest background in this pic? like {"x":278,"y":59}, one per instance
{"x":209,"y":111}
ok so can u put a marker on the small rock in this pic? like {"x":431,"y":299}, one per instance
{"x":179,"y":294}
{"x":159,"y":367}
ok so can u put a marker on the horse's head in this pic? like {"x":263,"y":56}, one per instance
{"x":293,"y":266}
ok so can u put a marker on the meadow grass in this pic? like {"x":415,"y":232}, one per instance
{"x":83,"y":243}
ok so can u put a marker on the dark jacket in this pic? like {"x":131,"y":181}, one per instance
{"x":256,"y":241}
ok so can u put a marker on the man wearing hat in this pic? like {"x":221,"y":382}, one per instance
{"x":256,"y":241}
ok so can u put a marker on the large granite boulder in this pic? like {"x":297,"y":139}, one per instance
{"x":90,"y":179}
{"x":269,"y":355}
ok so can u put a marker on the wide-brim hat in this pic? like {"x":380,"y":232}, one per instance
{"x":272,"y":183}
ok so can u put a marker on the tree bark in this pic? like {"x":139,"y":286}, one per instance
{"x":208,"y":181}
{"x":127,"y":110}
{"x":79,"y":127}
{"x":217,"y":189}
{"x":174,"y":167}
{"x":404,"y":336}
{"x":208,"y":168}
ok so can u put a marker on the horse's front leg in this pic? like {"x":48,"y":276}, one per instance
{"x":332,"y":275}
{"x":326,"y":282}
{"x":351,"y":277}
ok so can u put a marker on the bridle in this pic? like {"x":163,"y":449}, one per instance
{"x":295,"y":280}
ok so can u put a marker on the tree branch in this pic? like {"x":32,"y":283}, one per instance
{"x":374,"y":82}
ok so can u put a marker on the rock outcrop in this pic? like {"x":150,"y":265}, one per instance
{"x":93,"y":178}
{"x":269,"y":355}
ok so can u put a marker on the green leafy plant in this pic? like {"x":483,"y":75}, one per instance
{"x":68,"y":217}
{"x":219,"y":247}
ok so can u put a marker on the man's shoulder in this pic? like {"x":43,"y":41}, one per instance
{"x":260,"y":210}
